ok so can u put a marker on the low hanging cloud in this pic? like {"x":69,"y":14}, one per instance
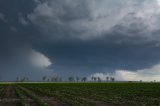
{"x":39,"y":60}
{"x":148,"y":74}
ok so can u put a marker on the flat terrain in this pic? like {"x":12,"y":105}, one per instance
{"x":80,"y":94}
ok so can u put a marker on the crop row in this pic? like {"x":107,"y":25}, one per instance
{"x":64,"y":97}
{"x":31,"y":94}
{"x":92,"y":93}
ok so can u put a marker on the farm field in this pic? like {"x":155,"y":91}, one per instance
{"x":80,"y":94}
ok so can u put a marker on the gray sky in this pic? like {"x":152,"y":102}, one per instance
{"x":120,"y":38}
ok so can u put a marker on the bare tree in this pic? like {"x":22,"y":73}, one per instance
{"x":17,"y":79}
{"x":107,"y":79}
{"x":112,"y":79}
{"x":95,"y":79}
{"x":52,"y":79}
{"x":77,"y":79}
{"x":44,"y":78}
{"x":48,"y":80}
{"x":26,"y":79}
{"x":99,"y":79}
{"x":92,"y":78}
{"x":55,"y":79}
{"x":84,"y":79}
{"x":60,"y":79}
{"x":71,"y":79}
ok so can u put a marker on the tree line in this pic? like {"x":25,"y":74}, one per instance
{"x":69,"y":79}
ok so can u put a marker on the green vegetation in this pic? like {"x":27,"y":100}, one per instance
{"x":137,"y":94}
{"x":89,"y":94}
{"x":33,"y":96}
{"x":22,"y":97}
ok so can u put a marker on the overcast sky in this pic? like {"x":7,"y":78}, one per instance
{"x":120,"y":38}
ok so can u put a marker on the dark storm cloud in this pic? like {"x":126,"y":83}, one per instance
{"x":94,"y":19}
{"x":78,"y":37}
{"x":104,"y":43}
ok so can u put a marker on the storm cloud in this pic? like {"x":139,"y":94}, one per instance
{"x":78,"y":37}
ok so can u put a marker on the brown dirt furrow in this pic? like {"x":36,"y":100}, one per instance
{"x":9,"y":92}
{"x":99,"y":103}
{"x":53,"y":102}
{"x":9,"y":98}
{"x":27,"y":99}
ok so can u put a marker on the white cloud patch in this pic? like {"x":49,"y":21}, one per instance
{"x":39,"y":60}
{"x":158,"y":1}
{"x":149,"y":74}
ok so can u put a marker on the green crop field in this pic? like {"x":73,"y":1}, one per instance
{"x":80,"y":94}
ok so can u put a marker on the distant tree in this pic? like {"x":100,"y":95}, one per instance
{"x":48,"y":80}
{"x":92,"y":78}
{"x":44,"y":78}
{"x":77,"y":79}
{"x":71,"y":79}
{"x":107,"y":79}
{"x":60,"y":79}
{"x":57,"y":79}
{"x":54,"y":79}
{"x":17,"y":79}
{"x":26,"y":79}
{"x":84,"y":79}
{"x":23,"y":79}
{"x":95,"y":79}
{"x":99,"y":79}
{"x":112,"y":79}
